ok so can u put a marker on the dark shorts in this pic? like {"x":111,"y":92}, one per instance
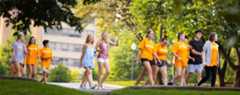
{"x":150,"y":61}
{"x":162,"y":63}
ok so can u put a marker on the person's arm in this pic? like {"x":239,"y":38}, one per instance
{"x":140,"y":47}
{"x":155,"y":53}
{"x":190,"y":50}
{"x":193,"y":50}
{"x":113,"y":43}
{"x":97,"y":47}
{"x":174,"y":50}
{"x":156,"y":57}
{"x":83,"y":54}
{"x":38,"y":55}
{"x":138,"y":55}
{"x":196,"y":52}
{"x":25,"y":49}
{"x":191,"y":58}
{"x":218,"y":57}
{"x":204,"y":53}
{"x":14,"y":52}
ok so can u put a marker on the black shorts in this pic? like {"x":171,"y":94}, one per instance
{"x":161,"y":63}
{"x":150,"y":61}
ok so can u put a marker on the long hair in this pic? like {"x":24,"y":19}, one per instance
{"x":89,"y":39}
{"x":102,"y":36}
{"x":212,"y":36}
{"x":30,"y":41}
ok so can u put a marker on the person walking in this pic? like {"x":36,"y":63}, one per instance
{"x":32,"y":57}
{"x":18,"y":57}
{"x":102,"y":47}
{"x":181,"y":51}
{"x":210,"y":59}
{"x":146,"y":53}
{"x":46,"y":60}
{"x":162,"y":52}
{"x":195,"y":64}
{"x":87,"y":59}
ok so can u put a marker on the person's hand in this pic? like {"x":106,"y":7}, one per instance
{"x":193,"y":59}
{"x":81,"y":65}
{"x":14,"y":60}
{"x":178,"y":58}
{"x":204,"y":63}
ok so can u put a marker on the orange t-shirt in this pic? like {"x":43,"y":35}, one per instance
{"x":32,"y":54}
{"x":214,"y":54}
{"x":146,"y":47}
{"x":161,"y":51}
{"x":46,"y":57}
{"x":182,"y":49}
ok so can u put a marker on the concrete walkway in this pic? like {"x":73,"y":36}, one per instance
{"x":107,"y":88}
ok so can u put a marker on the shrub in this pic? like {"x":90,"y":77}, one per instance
{"x":3,"y":69}
{"x":60,"y":74}
{"x":75,"y":74}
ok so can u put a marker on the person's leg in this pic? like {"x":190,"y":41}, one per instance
{"x":206,"y":77}
{"x":22,"y":69}
{"x":13,"y":69}
{"x":149,"y":71}
{"x":46,"y":79}
{"x":18,"y":69}
{"x":100,"y":72}
{"x":141,"y":76}
{"x":87,"y":70}
{"x":213,"y":74}
{"x":91,"y":75}
{"x":164,"y":74}
{"x":83,"y":82}
{"x":190,"y":72}
{"x":29,"y":71}
{"x":45,"y":75}
{"x":199,"y":72}
{"x":33,"y":71}
{"x":183,"y":77}
{"x":177,"y":76}
{"x":107,"y":72}
{"x":155,"y":70}
{"x":91,"y":79}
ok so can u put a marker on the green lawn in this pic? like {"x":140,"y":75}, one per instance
{"x":23,"y":87}
{"x":121,"y":83}
{"x":171,"y":92}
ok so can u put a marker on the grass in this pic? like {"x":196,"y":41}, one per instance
{"x":171,"y":92}
{"x":23,"y":87}
{"x":121,"y":83}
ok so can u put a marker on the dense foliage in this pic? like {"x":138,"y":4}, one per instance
{"x":60,"y":74}
{"x":167,"y":18}
{"x":47,"y":13}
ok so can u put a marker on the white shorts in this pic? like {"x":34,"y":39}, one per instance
{"x":195,"y":68}
{"x":45,"y":70}
{"x":102,"y":60}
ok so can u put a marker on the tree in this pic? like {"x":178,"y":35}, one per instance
{"x":47,"y":13}
{"x":230,"y":11}
{"x":167,"y":17}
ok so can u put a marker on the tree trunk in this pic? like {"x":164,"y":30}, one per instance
{"x":227,"y":58}
{"x":222,"y":70}
{"x":161,"y":31}
{"x":221,"y":73}
{"x":237,"y":81}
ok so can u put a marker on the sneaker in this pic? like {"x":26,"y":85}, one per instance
{"x":93,"y":87}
